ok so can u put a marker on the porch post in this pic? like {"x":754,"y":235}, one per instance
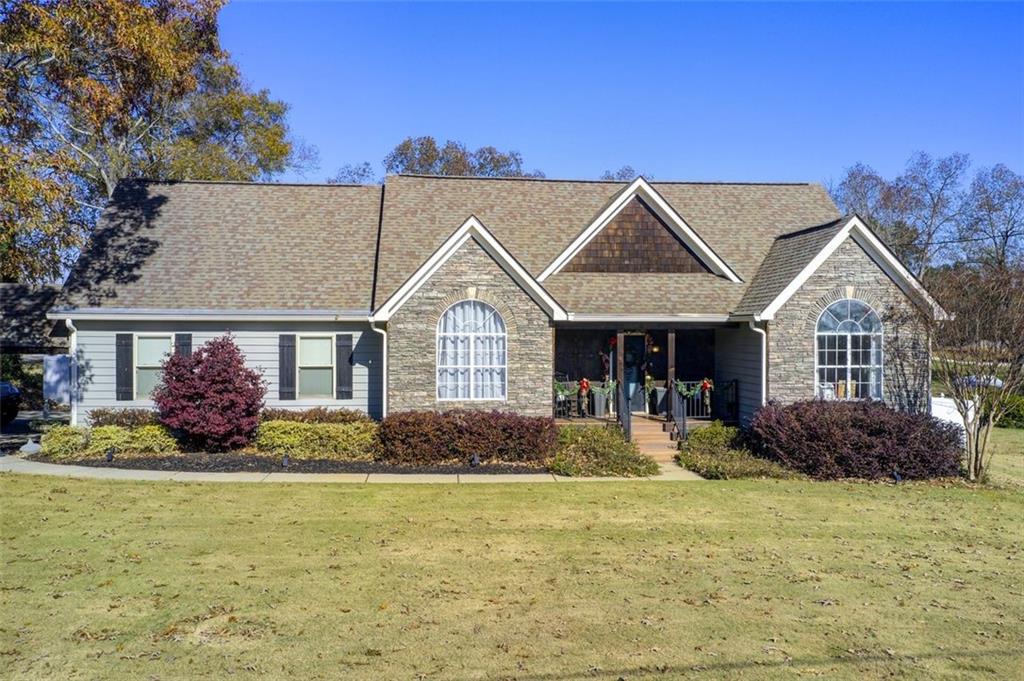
{"x":671,"y":371}
{"x":620,"y":367}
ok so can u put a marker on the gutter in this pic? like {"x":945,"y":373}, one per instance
{"x":764,"y":360}
{"x":197,"y":314}
{"x":384,"y":371}
{"x":73,"y":366}
{"x":662,"y":318}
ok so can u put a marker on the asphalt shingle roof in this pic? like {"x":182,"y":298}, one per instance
{"x":24,"y":327}
{"x":237,"y":246}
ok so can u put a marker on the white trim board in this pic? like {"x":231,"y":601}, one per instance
{"x":470,"y":229}
{"x":642,"y":189}
{"x":875,"y":249}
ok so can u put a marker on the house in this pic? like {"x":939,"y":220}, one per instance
{"x":439,"y":292}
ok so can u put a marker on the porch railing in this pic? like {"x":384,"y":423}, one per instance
{"x":623,"y":412}
{"x":696,"y":406}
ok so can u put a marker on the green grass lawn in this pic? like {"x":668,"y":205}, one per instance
{"x":739,"y":579}
{"x":1007,"y":465}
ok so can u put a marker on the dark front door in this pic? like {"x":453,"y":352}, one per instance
{"x":633,"y":359}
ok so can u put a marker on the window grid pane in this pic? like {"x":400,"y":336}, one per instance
{"x":849,"y":352}
{"x":472,"y":353}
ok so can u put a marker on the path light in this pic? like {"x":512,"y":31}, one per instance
{"x":475,"y":461}
{"x":110,"y":454}
{"x":286,"y":461}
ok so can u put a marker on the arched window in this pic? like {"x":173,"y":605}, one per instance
{"x":849,"y":343}
{"x":471,"y":353}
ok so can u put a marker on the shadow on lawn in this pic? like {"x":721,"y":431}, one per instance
{"x":717,"y":667}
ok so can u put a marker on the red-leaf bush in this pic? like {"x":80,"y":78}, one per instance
{"x":835,"y":439}
{"x":210,"y":397}
{"x":430,"y":437}
{"x":125,"y":418}
{"x":316,"y":415}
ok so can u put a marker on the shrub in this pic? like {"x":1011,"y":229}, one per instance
{"x":126,"y":418}
{"x":316,"y":415}
{"x":429,"y":437}
{"x":152,"y":439}
{"x":65,"y":442}
{"x":211,"y":397}
{"x":1014,"y":417}
{"x":715,"y":436}
{"x":729,"y":464}
{"x":832,"y":439}
{"x":102,"y":438}
{"x":596,"y":451}
{"x":337,"y":441}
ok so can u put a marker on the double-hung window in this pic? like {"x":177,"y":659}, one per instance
{"x":150,"y":353}
{"x":315,"y":365}
{"x":471,"y":353}
{"x":849,"y":351}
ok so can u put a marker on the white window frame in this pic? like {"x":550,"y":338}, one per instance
{"x":135,"y":360}
{"x":299,"y":366}
{"x":850,"y":366}
{"x":470,"y":336}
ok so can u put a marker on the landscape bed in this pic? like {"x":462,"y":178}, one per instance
{"x":746,"y":579}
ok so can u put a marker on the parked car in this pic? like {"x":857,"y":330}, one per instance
{"x":10,"y":401}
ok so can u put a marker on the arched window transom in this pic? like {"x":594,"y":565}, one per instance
{"x":472,"y":361}
{"x":849,"y":345}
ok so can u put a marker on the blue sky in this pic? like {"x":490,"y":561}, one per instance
{"x":757,"y":92}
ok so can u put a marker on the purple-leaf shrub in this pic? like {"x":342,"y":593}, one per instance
{"x":210,"y":397}
{"x":837,"y":439}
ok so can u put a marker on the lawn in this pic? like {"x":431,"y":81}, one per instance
{"x":1008,"y":459}
{"x":739,"y":579}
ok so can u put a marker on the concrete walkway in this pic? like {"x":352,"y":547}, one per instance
{"x":16,"y":464}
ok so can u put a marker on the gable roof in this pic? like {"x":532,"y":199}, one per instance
{"x":167,"y":248}
{"x":470,"y":229}
{"x":795,"y":257}
{"x":230,"y":246}
{"x":640,"y":188}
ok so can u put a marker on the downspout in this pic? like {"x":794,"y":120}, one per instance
{"x":764,"y":360}
{"x":73,"y":367}
{"x":384,"y":370}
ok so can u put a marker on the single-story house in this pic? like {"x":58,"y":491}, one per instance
{"x":444,"y":292}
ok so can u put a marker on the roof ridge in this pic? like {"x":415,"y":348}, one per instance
{"x":149,"y":180}
{"x":825,"y":225}
{"x":591,"y":181}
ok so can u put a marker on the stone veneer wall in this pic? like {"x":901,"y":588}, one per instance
{"x":848,"y":273}
{"x":412,"y":341}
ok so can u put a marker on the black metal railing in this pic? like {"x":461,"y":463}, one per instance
{"x":697,"y":405}
{"x":623,"y":412}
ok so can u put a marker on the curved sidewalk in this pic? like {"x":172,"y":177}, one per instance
{"x":16,"y":464}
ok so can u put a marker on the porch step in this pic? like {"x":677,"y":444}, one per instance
{"x":652,"y":440}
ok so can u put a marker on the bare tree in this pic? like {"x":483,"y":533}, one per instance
{"x":349,"y":173}
{"x":624,"y":174}
{"x":979,"y":349}
{"x":992,"y":232}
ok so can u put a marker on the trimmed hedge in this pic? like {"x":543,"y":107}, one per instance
{"x":430,"y":437}
{"x":594,"y":451}
{"x":833,"y":439}
{"x":316,"y":415}
{"x":64,"y":442}
{"x":68,"y":442}
{"x":126,"y":418}
{"x":354,"y":441}
{"x":715,"y":452}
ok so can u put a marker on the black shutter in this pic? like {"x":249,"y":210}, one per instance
{"x":343,"y":366}
{"x":286,"y":366}
{"x":183,"y":344}
{"x":123,"y":366}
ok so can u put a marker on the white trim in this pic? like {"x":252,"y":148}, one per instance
{"x":188,"y":314}
{"x":334,"y":365}
{"x":470,"y":229}
{"x":135,"y":360}
{"x":764,"y":360}
{"x":384,"y":369}
{"x":878,"y":252}
{"x":652,"y":318}
{"x":640,"y":187}
{"x":73,"y":366}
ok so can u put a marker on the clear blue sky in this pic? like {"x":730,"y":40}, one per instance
{"x":758,"y":92}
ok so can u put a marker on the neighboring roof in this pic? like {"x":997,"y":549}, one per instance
{"x":537,"y":219}
{"x":237,"y":246}
{"x":787,"y":257}
{"x":24,"y":327}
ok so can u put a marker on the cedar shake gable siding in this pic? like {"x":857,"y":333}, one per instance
{"x":470,"y":273}
{"x":635,"y":240}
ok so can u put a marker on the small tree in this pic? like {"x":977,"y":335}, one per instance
{"x":979,"y":354}
{"x":211,"y":396}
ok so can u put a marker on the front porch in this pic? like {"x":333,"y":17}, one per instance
{"x":669,"y":372}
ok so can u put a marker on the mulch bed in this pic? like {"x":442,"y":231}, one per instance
{"x":238,"y":463}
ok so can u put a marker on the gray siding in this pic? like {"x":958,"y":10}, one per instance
{"x":257,"y":340}
{"x":738,"y":357}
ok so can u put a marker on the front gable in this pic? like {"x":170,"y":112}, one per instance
{"x":636,"y":240}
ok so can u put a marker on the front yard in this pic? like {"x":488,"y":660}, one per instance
{"x":739,"y":579}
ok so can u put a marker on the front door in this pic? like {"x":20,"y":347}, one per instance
{"x":633,"y":361}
